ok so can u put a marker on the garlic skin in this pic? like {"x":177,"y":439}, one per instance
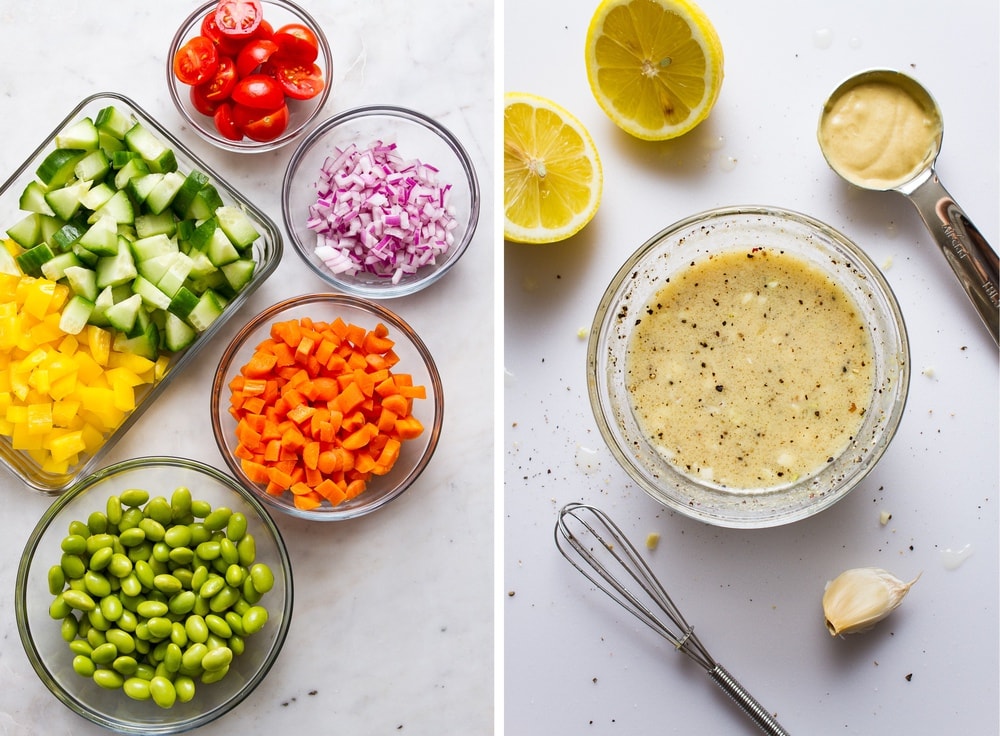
{"x":859,"y":598}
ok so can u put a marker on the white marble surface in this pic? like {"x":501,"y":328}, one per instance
{"x":574,"y":663}
{"x":393,"y":620}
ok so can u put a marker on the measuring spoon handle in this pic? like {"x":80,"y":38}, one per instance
{"x":966,"y":250}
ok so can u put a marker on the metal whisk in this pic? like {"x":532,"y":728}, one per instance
{"x":587,"y":535}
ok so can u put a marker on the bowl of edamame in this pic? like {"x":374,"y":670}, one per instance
{"x":154,"y":596}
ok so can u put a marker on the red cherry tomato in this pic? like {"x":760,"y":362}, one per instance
{"x":196,"y":61}
{"x":261,"y":125}
{"x":300,"y":80}
{"x":264,"y":30}
{"x":238,"y":17}
{"x":227,"y":45}
{"x":225,"y":123}
{"x":296,"y":41}
{"x":254,"y":54}
{"x":220,"y":86}
{"x":201,"y":103}
{"x":258,"y":91}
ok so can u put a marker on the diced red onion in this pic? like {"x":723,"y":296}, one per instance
{"x":376,"y":212}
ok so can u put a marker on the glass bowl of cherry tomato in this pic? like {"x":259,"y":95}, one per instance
{"x":249,"y":75}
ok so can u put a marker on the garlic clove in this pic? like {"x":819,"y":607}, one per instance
{"x":859,"y":598}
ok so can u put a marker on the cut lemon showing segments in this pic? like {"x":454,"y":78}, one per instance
{"x":552,"y":176}
{"x":654,"y":66}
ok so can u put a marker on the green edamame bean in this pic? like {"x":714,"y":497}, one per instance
{"x":101,"y":559}
{"x":214,"y":642}
{"x":262,"y":577}
{"x":144,"y":572}
{"x":131,"y":585}
{"x":201,"y":605}
{"x":183,"y":574}
{"x":108,"y":679}
{"x":136,"y":688}
{"x":250,"y":593}
{"x":211,"y":586}
{"x":215,"y":675}
{"x":152,"y":608}
{"x":95,"y":637}
{"x":57,"y":579}
{"x":112,"y":608}
{"x":74,"y":544}
{"x":145,"y":671}
{"x":235,"y":622}
{"x":159,"y":627}
{"x":216,"y":659}
{"x":125,"y":665}
{"x":248,"y":550}
{"x":153,"y":529}
{"x":78,"y":527}
{"x":254,"y":620}
{"x":196,"y":628}
{"x":142,"y":634}
{"x":180,"y":502}
{"x":162,"y":691}
{"x":99,"y":541}
{"x":132,"y":537}
{"x":177,"y":536}
{"x":159,"y":510}
{"x":237,"y":526}
{"x":200,"y":509}
{"x":223,"y":599}
{"x":134,"y":497}
{"x":228,"y":552}
{"x":69,"y":628}
{"x":167,"y":584}
{"x":209,"y":550}
{"x":182,"y":555}
{"x":105,"y":653}
{"x":237,"y":644}
{"x":123,"y":641}
{"x":97,"y":620}
{"x":141,"y":645}
{"x":83,"y":665}
{"x":181,"y":602}
{"x":161,"y":552}
{"x":78,"y":599}
{"x":119,"y":565}
{"x":184,"y":687}
{"x":130,"y":519}
{"x":191,"y":659}
{"x":81,"y":646}
{"x":199,"y":533}
{"x":73,"y":566}
{"x":178,"y":634}
{"x":218,"y":519}
{"x":242,"y":606}
{"x":96,"y":583}
{"x":218,"y":626}
{"x":113,"y":510}
{"x":235,"y":575}
{"x":97,"y":522}
{"x":172,"y":657}
{"x":199,"y":577}
{"x":127,"y":621}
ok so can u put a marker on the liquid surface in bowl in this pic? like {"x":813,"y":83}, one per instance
{"x":750,"y":369}
{"x":878,"y":136}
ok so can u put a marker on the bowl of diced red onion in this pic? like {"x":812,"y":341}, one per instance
{"x":380,"y":201}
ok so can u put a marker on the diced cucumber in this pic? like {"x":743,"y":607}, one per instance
{"x":159,"y":157}
{"x":97,"y":196}
{"x":239,"y":273}
{"x":65,"y":200}
{"x":177,"y":333}
{"x":202,"y":234}
{"x":30,"y":261}
{"x":105,"y":300}
{"x":119,"y":207}
{"x":26,"y":232}
{"x":146,"y":343}
{"x":109,"y":144}
{"x":140,"y":186}
{"x":81,"y":280}
{"x":135,"y":168}
{"x":67,"y":236}
{"x":185,"y":228}
{"x":113,"y":121}
{"x":237,"y":225}
{"x":57,"y":167}
{"x":87,"y":258}
{"x":200,"y":265}
{"x":92,"y":167}
{"x":101,"y":237}
{"x":122,"y":315}
{"x":175,"y":275}
{"x":155,"y":224}
{"x":206,"y":311}
{"x":220,"y":250}
{"x":159,"y":199}
{"x":81,"y":135}
{"x":204,"y":204}
{"x":193,"y":183}
{"x":33,"y":199}
{"x":55,"y":268}
{"x":183,"y":302}
{"x":150,"y":294}
{"x":154,"y":245}
{"x":116,"y":269}
{"x":154,"y":268}
{"x":75,"y":315}
{"x":122,"y":156}
{"x":7,"y":263}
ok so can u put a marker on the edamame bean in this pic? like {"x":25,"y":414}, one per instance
{"x":153,"y":529}
{"x":200,"y":509}
{"x":177,"y":536}
{"x":162,"y":691}
{"x":216,"y":659}
{"x":191,"y":659}
{"x":97,"y":584}
{"x":108,"y":679}
{"x":262,"y":577}
{"x":113,"y":510}
{"x":73,"y":566}
{"x":178,"y":634}
{"x":161,"y":551}
{"x":228,"y":552}
{"x":182,"y":555}
{"x":224,"y":599}
{"x":235,"y":575}
{"x":184,"y":687}
{"x":97,"y":522}
{"x":112,"y":608}
{"x":74,"y":544}
{"x":127,"y":621}
{"x":237,"y":644}
{"x":83,"y":665}
{"x":123,"y":641}
{"x":151,"y":609}
{"x":167,"y":584}
{"x":172,"y":657}
{"x":97,"y":620}
{"x":132,"y":537}
{"x":69,"y":628}
{"x":247,"y":548}
{"x":250,"y":593}
{"x":211,"y":586}
{"x":199,"y":533}
{"x":208,"y":550}
{"x":130,"y":519}
{"x":81,"y":646}
{"x":144,"y":573}
{"x":105,"y":653}
{"x":78,"y":599}
{"x":218,"y":626}
{"x":218,"y":519}
{"x":158,"y":509}
{"x":137,"y":688}
{"x":237,"y":526}
{"x":131,"y":585}
{"x":196,"y":628}
{"x":254,"y":619}
{"x":57,"y":579}
{"x":102,"y":558}
{"x":159,"y":627}
{"x":215,"y":675}
{"x":119,"y":565}
{"x":99,"y":541}
{"x":134,"y":497}
{"x":182,"y":602}
{"x":145,"y":671}
{"x":125,"y":665}
{"x":180,"y":503}
{"x":235,"y":622}
{"x":78,"y":527}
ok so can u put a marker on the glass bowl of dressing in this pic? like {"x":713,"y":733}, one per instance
{"x":748,"y":366}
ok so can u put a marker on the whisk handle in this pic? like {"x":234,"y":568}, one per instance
{"x":746,"y":701}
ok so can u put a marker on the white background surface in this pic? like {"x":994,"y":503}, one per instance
{"x":393,"y":620}
{"x":577,"y":664}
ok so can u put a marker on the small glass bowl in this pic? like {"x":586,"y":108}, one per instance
{"x":416,"y":137}
{"x":301,"y":112}
{"x":414,"y":358}
{"x":50,"y":654}
{"x":672,"y":251}
{"x":267,"y":252}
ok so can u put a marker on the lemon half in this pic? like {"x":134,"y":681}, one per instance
{"x":552,"y":176}
{"x":655,"y":66}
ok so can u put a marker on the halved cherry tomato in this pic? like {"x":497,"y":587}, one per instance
{"x":264,"y":30}
{"x":254,"y":54}
{"x":225,"y":123}
{"x":196,"y":61}
{"x":261,"y":125}
{"x":258,"y":91}
{"x":238,"y":17}
{"x":300,"y":80}
{"x":227,"y":45}
{"x":201,"y":103}
{"x":220,"y":86}
{"x":296,"y":41}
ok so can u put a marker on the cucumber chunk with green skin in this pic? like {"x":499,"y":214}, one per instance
{"x":92,"y":167}
{"x":134,"y":169}
{"x":175,"y":275}
{"x":82,"y":281}
{"x":206,"y":311}
{"x":67,"y":236}
{"x":145,"y":344}
{"x":97,"y":196}
{"x":237,"y":226}
{"x":30,"y":261}
{"x":118,"y":207}
{"x":183,"y":302}
{"x":159,"y":199}
{"x":193,"y":183}
{"x":26,"y":232}
{"x":220,"y":250}
{"x":55,"y":268}
{"x":140,"y":186}
{"x":204,"y":204}
{"x":105,"y":300}
{"x":117,"y":269}
{"x":81,"y":135}
{"x":57,"y":167}
{"x":154,"y":268}
{"x":101,"y":237}
{"x":122,"y":315}
{"x":178,"y":334}
{"x":65,"y":201}
{"x":239,"y":273}
{"x":150,"y":293}
{"x":33,"y":199}
{"x":155,"y":224}
{"x":153,"y":151}
{"x":75,"y":315}
{"x":113,"y":122}
{"x":153,"y":246}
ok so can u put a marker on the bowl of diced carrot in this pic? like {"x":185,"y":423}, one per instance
{"x":327,"y":406}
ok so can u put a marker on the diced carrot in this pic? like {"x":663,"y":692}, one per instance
{"x":408,"y":427}
{"x":260,"y":365}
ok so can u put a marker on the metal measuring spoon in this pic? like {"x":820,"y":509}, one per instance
{"x":882,"y":130}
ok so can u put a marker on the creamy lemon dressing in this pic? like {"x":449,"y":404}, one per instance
{"x":878,"y":136}
{"x":750,"y":369}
